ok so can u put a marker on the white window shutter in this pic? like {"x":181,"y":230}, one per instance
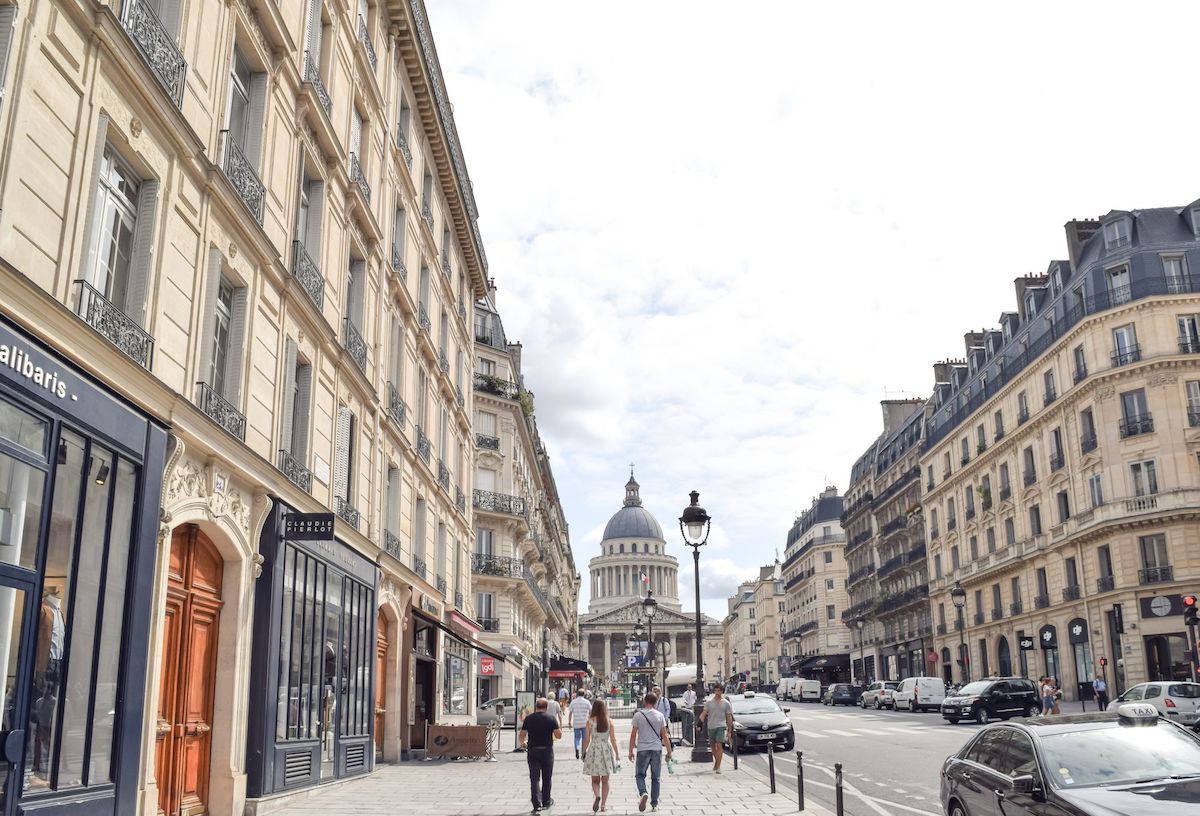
{"x":89,"y":252}
{"x":234,"y":357}
{"x":300,"y":421}
{"x":354,"y":301}
{"x":142,"y":253}
{"x":355,"y":133}
{"x":212,"y":285}
{"x":341,"y":453}
{"x":316,"y":203}
{"x":8,"y":22}
{"x":287,"y":409}
{"x":257,"y":123}
{"x":314,"y":30}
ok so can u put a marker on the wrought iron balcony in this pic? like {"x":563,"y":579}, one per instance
{"x":985,"y":500}
{"x":359,"y":178}
{"x":499,"y":502}
{"x":441,"y":585}
{"x":898,"y":523}
{"x":1030,"y":478}
{"x":952,"y":524}
{"x":1193,"y":415}
{"x":1105,"y":583}
{"x":1189,"y":345}
{"x":487,"y":442}
{"x":460,"y":500}
{"x":427,"y":214}
{"x":443,"y":361}
{"x":462,"y":312}
{"x":495,"y":385}
{"x":308,"y":275}
{"x":1056,"y":461}
{"x":459,"y":397}
{"x":969,"y":513}
{"x":861,"y":573}
{"x":489,"y":624}
{"x":1079,"y":375}
{"x":808,"y":626}
{"x":980,"y":447}
{"x":446,"y":267}
{"x":1005,"y":492}
{"x":1088,"y":442}
{"x":997,"y":614}
{"x":966,"y":459}
{"x":364,"y":37}
{"x":419,"y":567}
{"x":1072,"y":593}
{"x":1023,"y":415}
{"x":116,"y":326}
{"x":1050,"y":396}
{"x":1156,"y":575}
{"x":423,"y":317}
{"x":312,"y":75}
{"x":423,"y":446}
{"x":405,"y":150}
{"x":243,"y":177}
{"x":891,"y":565}
{"x":978,"y":618}
{"x":1126,"y":356}
{"x":297,"y":473}
{"x":398,"y":263}
{"x":391,"y":543}
{"x":1041,"y":601}
{"x":941,"y":628}
{"x":460,"y":600}
{"x":354,"y":344}
{"x":157,"y":47}
{"x":443,"y":475}
{"x":935,"y":533}
{"x":1135,"y":425}
{"x":999,"y":434}
{"x":1016,"y":608}
{"x":396,"y":409}
{"x":346,"y":511}
{"x":958,"y":624}
{"x":220,"y":410}
{"x":497,"y":566}
{"x":536,"y":591}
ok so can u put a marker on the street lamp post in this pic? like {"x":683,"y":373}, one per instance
{"x":650,"y":608}
{"x":862,"y":659}
{"x":694,"y":526}
{"x":959,"y":596}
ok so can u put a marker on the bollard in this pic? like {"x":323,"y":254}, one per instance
{"x":837,"y":782}
{"x":800,"y":778}
{"x":733,"y":746}
{"x":771,"y":765}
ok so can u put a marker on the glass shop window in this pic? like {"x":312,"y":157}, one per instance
{"x":454,"y":678}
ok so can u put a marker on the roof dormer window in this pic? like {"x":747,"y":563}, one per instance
{"x":1196,"y":222}
{"x":1056,"y":281}
{"x":1116,"y":234}
{"x":1030,"y":305}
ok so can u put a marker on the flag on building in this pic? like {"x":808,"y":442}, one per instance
{"x":645,"y":579}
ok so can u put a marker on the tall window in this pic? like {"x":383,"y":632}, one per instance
{"x":1096,"y":489}
{"x":1043,"y":584}
{"x":297,"y":391}
{"x":308,"y":217}
{"x":1118,"y":284}
{"x":1010,"y":532}
{"x":239,"y":121}
{"x":483,"y":541}
{"x":1051,"y":388}
{"x":1116,"y":234}
{"x":224,"y":341}
{"x":1030,"y":466}
{"x":1143,"y":477}
{"x":1022,"y":406}
{"x":1153,"y":550}
{"x":969,"y":501}
{"x":419,"y":529}
{"x":1136,"y":414}
{"x":1015,"y":590}
{"x":998,"y":419}
{"x":356,"y":273}
{"x":345,"y":447}
{"x":1005,"y":484}
{"x":1189,"y":333}
{"x":8,"y":19}
{"x":222,"y":314}
{"x":1064,"y":506}
{"x":1072,"y":572}
{"x":1081,"y":369}
{"x":1104,"y":561}
{"x":1125,"y":346}
{"x":1035,"y":520}
{"x":1174,"y":270}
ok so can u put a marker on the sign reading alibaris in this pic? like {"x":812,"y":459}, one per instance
{"x":18,"y":360}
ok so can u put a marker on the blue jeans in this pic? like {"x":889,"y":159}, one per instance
{"x":653,"y":761}
{"x":579,"y":733}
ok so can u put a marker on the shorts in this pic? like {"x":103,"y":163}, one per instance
{"x":716,"y":735}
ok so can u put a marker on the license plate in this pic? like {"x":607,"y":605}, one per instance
{"x":950,"y":710}
{"x":764,"y":736}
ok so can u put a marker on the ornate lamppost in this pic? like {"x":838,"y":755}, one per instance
{"x":650,"y":609}
{"x":959,"y":596}
{"x":694,"y":526}
{"x":862,"y":660}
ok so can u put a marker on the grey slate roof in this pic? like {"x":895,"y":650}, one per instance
{"x":633,"y":521}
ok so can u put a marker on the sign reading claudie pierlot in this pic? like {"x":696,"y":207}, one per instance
{"x":308,"y":526}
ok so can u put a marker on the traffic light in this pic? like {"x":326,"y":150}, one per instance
{"x":1103,"y":662}
{"x":1191,"y":616}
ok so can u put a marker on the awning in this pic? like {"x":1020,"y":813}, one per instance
{"x":569,"y":665}
{"x":825,"y":663}
{"x":445,"y":628}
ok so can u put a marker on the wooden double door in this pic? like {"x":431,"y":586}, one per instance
{"x":187,"y":684}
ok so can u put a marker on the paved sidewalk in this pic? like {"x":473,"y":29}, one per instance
{"x":501,"y":788}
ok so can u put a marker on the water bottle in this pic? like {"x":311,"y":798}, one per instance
{"x":671,"y":765}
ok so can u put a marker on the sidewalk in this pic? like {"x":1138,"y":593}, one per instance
{"x":501,"y":788}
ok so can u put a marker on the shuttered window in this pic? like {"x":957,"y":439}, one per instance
{"x":8,"y":22}
{"x":222,"y":353}
{"x":343,"y":454}
{"x":391,"y":521}
{"x":419,"y":529}
{"x":355,"y":277}
{"x":308,"y":216}
{"x":297,"y":386}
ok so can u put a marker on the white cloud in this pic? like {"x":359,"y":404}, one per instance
{"x":724,"y":236}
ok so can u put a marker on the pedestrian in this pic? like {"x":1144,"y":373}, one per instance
{"x":600,"y":752}
{"x":663,"y":705}
{"x":1056,"y":697}
{"x":718,"y":716}
{"x":689,"y":715}
{"x":539,"y":730}
{"x":578,"y":712}
{"x":648,"y":737}
{"x":554,"y":709}
{"x":1047,"y":691}
{"x":1101,"y":689}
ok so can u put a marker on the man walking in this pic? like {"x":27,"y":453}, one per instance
{"x":578,"y":711}
{"x":1101,"y":689}
{"x":554,"y":709}
{"x":538,"y":732}
{"x":663,"y":705}
{"x":688,"y":715}
{"x":647,"y":740}
{"x":718,"y":715}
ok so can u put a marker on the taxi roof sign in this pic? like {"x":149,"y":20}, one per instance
{"x":1137,"y":714}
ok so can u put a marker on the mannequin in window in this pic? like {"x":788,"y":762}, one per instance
{"x":51,"y":631}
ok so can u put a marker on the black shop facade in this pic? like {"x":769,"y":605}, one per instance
{"x":80,"y":480}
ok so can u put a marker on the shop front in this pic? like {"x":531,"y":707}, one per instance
{"x":312,"y":694}
{"x":80,"y":480}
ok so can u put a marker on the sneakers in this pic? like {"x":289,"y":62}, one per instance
{"x":716,"y":770}
{"x":642,"y":802}
{"x":577,"y":753}
{"x":548,"y":805}
{"x":654,"y":808}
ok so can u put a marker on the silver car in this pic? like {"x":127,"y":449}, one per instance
{"x":487,"y":712}
{"x":1178,"y":701}
{"x":879,"y":694}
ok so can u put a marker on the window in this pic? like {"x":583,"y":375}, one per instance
{"x":1143,"y":477}
{"x":1104,"y":561}
{"x":753,"y":629}
{"x":997,"y":598}
{"x":828,"y":557}
{"x":1064,"y":506}
{"x":829,"y":583}
{"x":345,"y":448}
{"x":1056,"y":449}
{"x":830,"y":611}
{"x":1010,"y":532}
{"x":1136,"y":415}
{"x":1051,"y":389}
{"x":945,"y":464}
{"x":1153,"y":549}
{"x":1096,"y":490}
{"x":951,"y":515}
{"x":1118,"y":284}
{"x":990,"y":537}
{"x":1005,"y":484}
{"x":1087,"y":431}
{"x":308,"y":225}
{"x":1174,"y":268}
{"x":998,"y":419}
{"x":933,"y":522}
{"x":974,"y":548}
{"x":1015,"y":590}
{"x":455,"y":676}
{"x":427,"y":198}
{"x":486,"y":367}
{"x":1043,"y":583}
{"x":399,"y":240}
{"x":752,"y":611}
{"x":1125,"y":347}
{"x":1022,"y":407}
{"x":1072,"y":572}
{"x":937,"y":565}
{"x":8,"y":20}
{"x":1081,"y":369}
{"x":297,"y":396}
{"x":1116,"y":234}
{"x":1030,"y":466}
{"x":391,"y":519}
{"x":966,"y":452}
{"x":955,"y":562}
{"x":1189,"y":333}
{"x":969,"y":501}
{"x":1035,"y":520}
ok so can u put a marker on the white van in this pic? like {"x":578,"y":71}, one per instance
{"x":788,"y":689}
{"x":919,"y":693}
{"x":809,"y":691}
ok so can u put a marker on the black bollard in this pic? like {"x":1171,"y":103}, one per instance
{"x":771,"y":765}
{"x":837,"y":782}
{"x":800,"y":778}
{"x":733,"y":746}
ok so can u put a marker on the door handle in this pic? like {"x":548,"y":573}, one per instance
{"x":14,"y":746}
{"x":966,"y":775}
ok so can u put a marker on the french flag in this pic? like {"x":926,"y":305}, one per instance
{"x":645,"y":579}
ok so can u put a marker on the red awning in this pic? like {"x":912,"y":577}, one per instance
{"x":564,"y":675}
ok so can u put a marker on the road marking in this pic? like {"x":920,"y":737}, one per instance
{"x":873,"y":802}
{"x":812,"y":734}
{"x":841,"y":733}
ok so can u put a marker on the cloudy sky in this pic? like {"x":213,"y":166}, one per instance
{"x":725,"y":231}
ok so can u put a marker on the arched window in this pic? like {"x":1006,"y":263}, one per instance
{"x":622,"y":548}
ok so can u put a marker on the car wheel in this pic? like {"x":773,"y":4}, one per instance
{"x":981,"y":715}
{"x":878,"y":705}
{"x":952,"y":720}
{"x":1031,"y":711}
{"x":956,"y":809}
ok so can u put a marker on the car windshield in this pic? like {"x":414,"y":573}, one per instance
{"x":1189,"y":691}
{"x":978,"y":687}
{"x":756,"y":705}
{"x":891,"y":685}
{"x":1119,"y":754}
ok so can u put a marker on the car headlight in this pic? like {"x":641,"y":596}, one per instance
{"x":737,"y":726}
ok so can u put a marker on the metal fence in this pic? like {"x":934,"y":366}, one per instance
{"x":675,"y":726}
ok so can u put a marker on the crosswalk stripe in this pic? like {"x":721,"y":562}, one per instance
{"x":811,"y":734}
{"x":841,"y":733}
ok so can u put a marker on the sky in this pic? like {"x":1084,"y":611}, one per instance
{"x":723,"y":232}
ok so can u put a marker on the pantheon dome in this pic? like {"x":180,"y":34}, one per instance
{"x":633,"y":545}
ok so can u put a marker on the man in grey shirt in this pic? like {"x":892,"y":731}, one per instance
{"x":718,"y":716}
{"x":648,"y":737}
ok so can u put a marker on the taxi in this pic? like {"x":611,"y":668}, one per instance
{"x":1128,"y":762}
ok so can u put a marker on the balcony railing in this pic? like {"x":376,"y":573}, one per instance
{"x":966,"y":459}
{"x":487,"y":442}
{"x":1072,"y":593}
{"x":934,"y":533}
{"x":405,"y":150}
{"x":489,"y":624}
{"x":891,"y":565}
{"x":495,"y":339}
{"x":427,"y":214}
{"x":116,"y":326}
{"x":999,"y":434}
{"x":1088,"y":442}
{"x":243,"y":177}
{"x":808,"y":626}
{"x":364,"y":37}
{"x":308,"y":275}
{"x":1125,"y":356}
{"x":443,"y":361}
{"x":296,"y":473}
{"x":460,"y":601}
{"x":1136,"y":425}
{"x":462,"y":312}
{"x":396,"y":409}
{"x":419,"y":566}
{"x":459,"y":397}
{"x":391,"y":543}
{"x":969,"y":513}
{"x":1050,"y":396}
{"x":1193,"y":412}
{"x":157,"y":47}
{"x":861,"y":573}
{"x":536,"y":591}
{"x":1156,"y":575}
{"x":1105,"y":583}
{"x":497,"y":386}
{"x":446,"y":267}
{"x":902,"y":599}
{"x":997,"y":613}
{"x":398,"y":263}
{"x":1189,"y":345}
{"x":941,"y":628}
{"x":1005,"y":492}
{"x":359,"y":178}
{"x":423,"y":446}
{"x":460,"y":500}
{"x":346,"y":511}
{"x":423,"y":317}
{"x":312,"y":75}
{"x":1041,"y":601}
{"x":1016,"y":608}
{"x":497,"y":566}
{"x":220,"y":410}
{"x":1030,"y":478}
{"x":1056,"y":461}
{"x":499,"y":502}
{"x":443,"y":475}
{"x":952,"y":524}
{"x":1023,"y":415}
{"x":978,"y":618}
{"x":898,"y":523}
{"x":1079,"y":375}
{"x":441,"y":585}
{"x":354,"y":344}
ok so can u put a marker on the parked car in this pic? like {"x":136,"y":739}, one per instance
{"x":1178,"y":702}
{"x":788,"y":689}
{"x":842,"y":694}
{"x":758,"y":721}
{"x":809,"y":691}
{"x":992,"y":698}
{"x":919,"y":694}
{"x":878,"y":695}
{"x":1106,"y":763}
{"x":487,"y":712}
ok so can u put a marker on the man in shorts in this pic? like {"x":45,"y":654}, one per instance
{"x":718,"y":716}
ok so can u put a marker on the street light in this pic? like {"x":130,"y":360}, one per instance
{"x":650,"y":608}
{"x":694,"y":526}
{"x":959,"y":596}
{"x":862,"y":660}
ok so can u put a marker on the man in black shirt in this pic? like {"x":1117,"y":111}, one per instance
{"x":538,"y":732}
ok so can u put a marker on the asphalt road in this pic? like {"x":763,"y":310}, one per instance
{"x":890,"y":760}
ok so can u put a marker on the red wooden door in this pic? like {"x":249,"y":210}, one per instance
{"x":187,"y":684}
{"x":381,"y":648}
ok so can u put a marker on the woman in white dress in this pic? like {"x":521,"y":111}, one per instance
{"x":599,"y":753}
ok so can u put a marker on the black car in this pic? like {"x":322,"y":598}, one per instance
{"x":842,"y":694}
{"x":758,"y":721}
{"x":1129,"y":762}
{"x":993,"y":698}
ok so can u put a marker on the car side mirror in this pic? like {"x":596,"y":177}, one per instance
{"x":787,"y":711}
{"x":1024,"y":784}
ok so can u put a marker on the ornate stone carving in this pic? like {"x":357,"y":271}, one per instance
{"x":1162,"y":380}
{"x":187,"y":481}
{"x":1104,"y":392}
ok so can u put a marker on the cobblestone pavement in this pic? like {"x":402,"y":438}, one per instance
{"x":501,"y":788}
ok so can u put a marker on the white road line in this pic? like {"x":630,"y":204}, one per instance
{"x":811,"y":734}
{"x":873,"y":802}
{"x":841,"y":733}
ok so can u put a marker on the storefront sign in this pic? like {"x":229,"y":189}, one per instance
{"x":1077,"y":631}
{"x":1048,"y":637}
{"x":1161,"y":606}
{"x":456,"y":741}
{"x":487,"y":665}
{"x":1026,"y":643}
{"x":26,"y":366}
{"x":308,"y":526}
